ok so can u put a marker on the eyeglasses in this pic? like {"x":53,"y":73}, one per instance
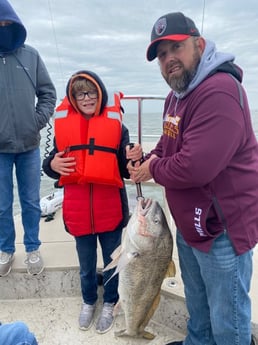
{"x":80,"y":96}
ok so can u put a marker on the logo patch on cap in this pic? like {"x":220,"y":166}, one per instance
{"x":160,"y":26}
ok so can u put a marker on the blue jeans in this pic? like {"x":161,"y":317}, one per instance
{"x":87,"y":253}
{"x":216,"y":289}
{"x":27,"y":168}
{"x":16,"y":333}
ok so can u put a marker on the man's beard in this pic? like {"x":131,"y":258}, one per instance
{"x":180,"y":84}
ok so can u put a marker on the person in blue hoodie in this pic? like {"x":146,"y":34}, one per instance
{"x":207,"y":161}
{"x":16,"y":333}
{"x":27,"y":100}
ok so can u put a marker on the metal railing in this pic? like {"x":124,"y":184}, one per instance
{"x":139,"y":99}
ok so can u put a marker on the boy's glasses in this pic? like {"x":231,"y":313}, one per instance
{"x":80,"y":96}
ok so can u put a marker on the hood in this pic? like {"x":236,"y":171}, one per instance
{"x":212,"y":62}
{"x":14,"y":35}
{"x":95,"y":79}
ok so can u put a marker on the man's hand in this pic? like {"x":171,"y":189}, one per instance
{"x":140,"y":172}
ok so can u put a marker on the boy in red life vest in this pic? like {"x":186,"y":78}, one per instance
{"x":89,"y":160}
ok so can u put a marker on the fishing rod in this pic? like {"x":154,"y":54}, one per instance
{"x":138,"y":184}
{"x":203,"y":12}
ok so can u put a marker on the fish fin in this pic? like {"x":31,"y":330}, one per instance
{"x":150,"y":314}
{"x":117,"y":252}
{"x":115,"y":256}
{"x":110,"y":278}
{"x":124,"y":260}
{"x":120,"y":333}
{"x":148,"y":335}
{"x":111,"y":265}
{"x":171,"y":271}
{"x":156,"y":302}
{"x":153,"y":307}
{"x":120,"y":263}
{"x":144,"y":334}
{"x":117,"y":308}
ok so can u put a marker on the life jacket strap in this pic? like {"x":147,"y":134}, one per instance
{"x":91,"y":147}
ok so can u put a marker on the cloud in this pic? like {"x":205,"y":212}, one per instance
{"x":111,"y":37}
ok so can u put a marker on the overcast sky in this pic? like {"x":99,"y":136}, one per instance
{"x":110,"y":37}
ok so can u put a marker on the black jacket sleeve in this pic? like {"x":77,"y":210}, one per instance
{"x":122,"y":161}
{"x":46,"y":163}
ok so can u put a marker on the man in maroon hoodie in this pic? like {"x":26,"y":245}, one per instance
{"x":207,"y":160}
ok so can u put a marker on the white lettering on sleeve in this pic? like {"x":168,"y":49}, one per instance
{"x":197,"y":221}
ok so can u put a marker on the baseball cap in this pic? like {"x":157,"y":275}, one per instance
{"x":172,"y":26}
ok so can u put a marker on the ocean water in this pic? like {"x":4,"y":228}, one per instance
{"x":151,"y":125}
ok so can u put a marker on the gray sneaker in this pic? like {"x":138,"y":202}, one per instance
{"x":34,"y":262}
{"x":86,"y":316}
{"x":6,"y":260}
{"x":106,"y":318}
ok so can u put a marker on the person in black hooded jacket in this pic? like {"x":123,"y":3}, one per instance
{"x":89,"y":161}
{"x":27,"y":101}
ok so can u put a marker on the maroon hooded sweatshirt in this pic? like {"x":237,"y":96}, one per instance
{"x":208,"y":162}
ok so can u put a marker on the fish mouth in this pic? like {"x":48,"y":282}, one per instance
{"x":144,"y":206}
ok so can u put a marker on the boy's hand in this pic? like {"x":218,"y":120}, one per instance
{"x":134,"y":152}
{"x":63,"y":165}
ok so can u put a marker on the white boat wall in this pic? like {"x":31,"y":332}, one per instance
{"x":49,"y":204}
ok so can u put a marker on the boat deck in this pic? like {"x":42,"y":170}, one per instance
{"x":50,"y":303}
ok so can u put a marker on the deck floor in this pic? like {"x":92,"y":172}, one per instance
{"x":55,"y":322}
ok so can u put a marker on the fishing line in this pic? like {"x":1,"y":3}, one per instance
{"x":49,"y":129}
{"x":56,"y":44}
{"x":203,"y":12}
